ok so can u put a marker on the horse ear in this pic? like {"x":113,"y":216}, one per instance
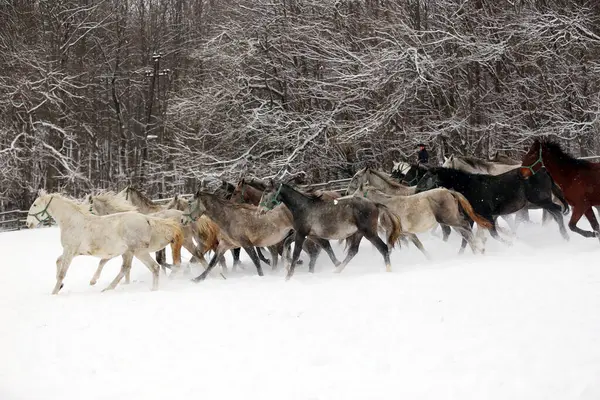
{"x":176,"y":197}
{"x":197,"y":194}
{"x":271,"y":183}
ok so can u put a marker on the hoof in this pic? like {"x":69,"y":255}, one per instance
{"x":92,"y":283}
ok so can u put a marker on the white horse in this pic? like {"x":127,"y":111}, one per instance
{"x":400,"y":168}
{"x":106,"y":203}
{"x":127,"y":234}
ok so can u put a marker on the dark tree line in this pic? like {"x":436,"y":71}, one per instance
{"x":161,"y":93}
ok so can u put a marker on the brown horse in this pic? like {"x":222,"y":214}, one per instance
{"x":578,"y":179}
{"x":246,"y":193}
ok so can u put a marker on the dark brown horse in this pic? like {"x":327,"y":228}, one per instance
{"x":246,"y":193}
{"x":578,"y":179}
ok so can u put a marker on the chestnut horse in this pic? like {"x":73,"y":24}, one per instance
{"x":578,"y":179}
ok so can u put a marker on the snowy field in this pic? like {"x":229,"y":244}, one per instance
{"x":521,"y":322}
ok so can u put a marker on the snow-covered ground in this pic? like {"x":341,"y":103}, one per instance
{"x":521,"y":322}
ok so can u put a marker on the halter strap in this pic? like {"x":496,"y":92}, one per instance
{"x":274,"y":202}
{"x":189,"y":216}
{"x":414,"y":180}
{"x":47,"y":217}
{"x":539,"y":160}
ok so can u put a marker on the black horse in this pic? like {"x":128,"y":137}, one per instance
{"x":414,"y":175}
{"x":494,"y":195}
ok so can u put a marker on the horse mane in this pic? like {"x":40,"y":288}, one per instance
{"x":80,"y":206}
{"x":369,"y":188}
{"x":227,"y":203}
{"x":143,"y":198}
{"x":386,"y":179}
{"x":115,"y":202}
{"x":562,"y":155}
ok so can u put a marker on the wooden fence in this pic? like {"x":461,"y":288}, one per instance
{"x":12,"y":220}
{"x":15,"y":219}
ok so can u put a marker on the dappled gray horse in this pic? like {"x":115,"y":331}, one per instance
{"x":347,"y":218}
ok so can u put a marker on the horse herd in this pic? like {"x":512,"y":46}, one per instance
{"x":256,"y":214}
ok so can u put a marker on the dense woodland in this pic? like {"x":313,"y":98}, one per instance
{"x":162,"y":93}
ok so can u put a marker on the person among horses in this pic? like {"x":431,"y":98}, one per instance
{"x":423,"y":155}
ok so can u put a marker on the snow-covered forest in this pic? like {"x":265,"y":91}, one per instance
{"x":161,"y":93}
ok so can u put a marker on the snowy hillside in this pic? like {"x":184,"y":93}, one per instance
{"x":521,"y":322}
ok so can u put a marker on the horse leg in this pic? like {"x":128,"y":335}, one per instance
{"x":58,"y":265}
{"x":99,"y":271}
{"x":467,"y":233}
{"x":125,"y":267}
{"x":555,"y":211}
{"x":161,"y":259}
{"x":236,"y":258}
{"x":385,"y":251}
{"x":274,"y":256}
{"x":589,"y":214}
{"x":419,"y":245}
{"x":261,"y":256}
{"x":152,"y":266}
{"x":463,"y":244}
{"x":545,"y":217}
{"x":324,"y":243}
{"x":297,"y":249}
{"x":255,"y":259}
{"x":511,"y":225}
{"x":578,"y":211}
{"x":65,"y":261}
{"x":221,"y":249}
{"x":494,"y":233}
{"x":521,"y":216}
{"x":353,"y":249}
{"x":446,"y":232}
{"x":313,"y":249}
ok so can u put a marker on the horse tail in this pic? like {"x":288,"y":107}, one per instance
{"x":390,"y":219}
{"x":168,"y":231}
{"x":176,"y":244}
{"x":556,"y":191}
{"x":208,"y":233}
{"x":468,"y":209}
